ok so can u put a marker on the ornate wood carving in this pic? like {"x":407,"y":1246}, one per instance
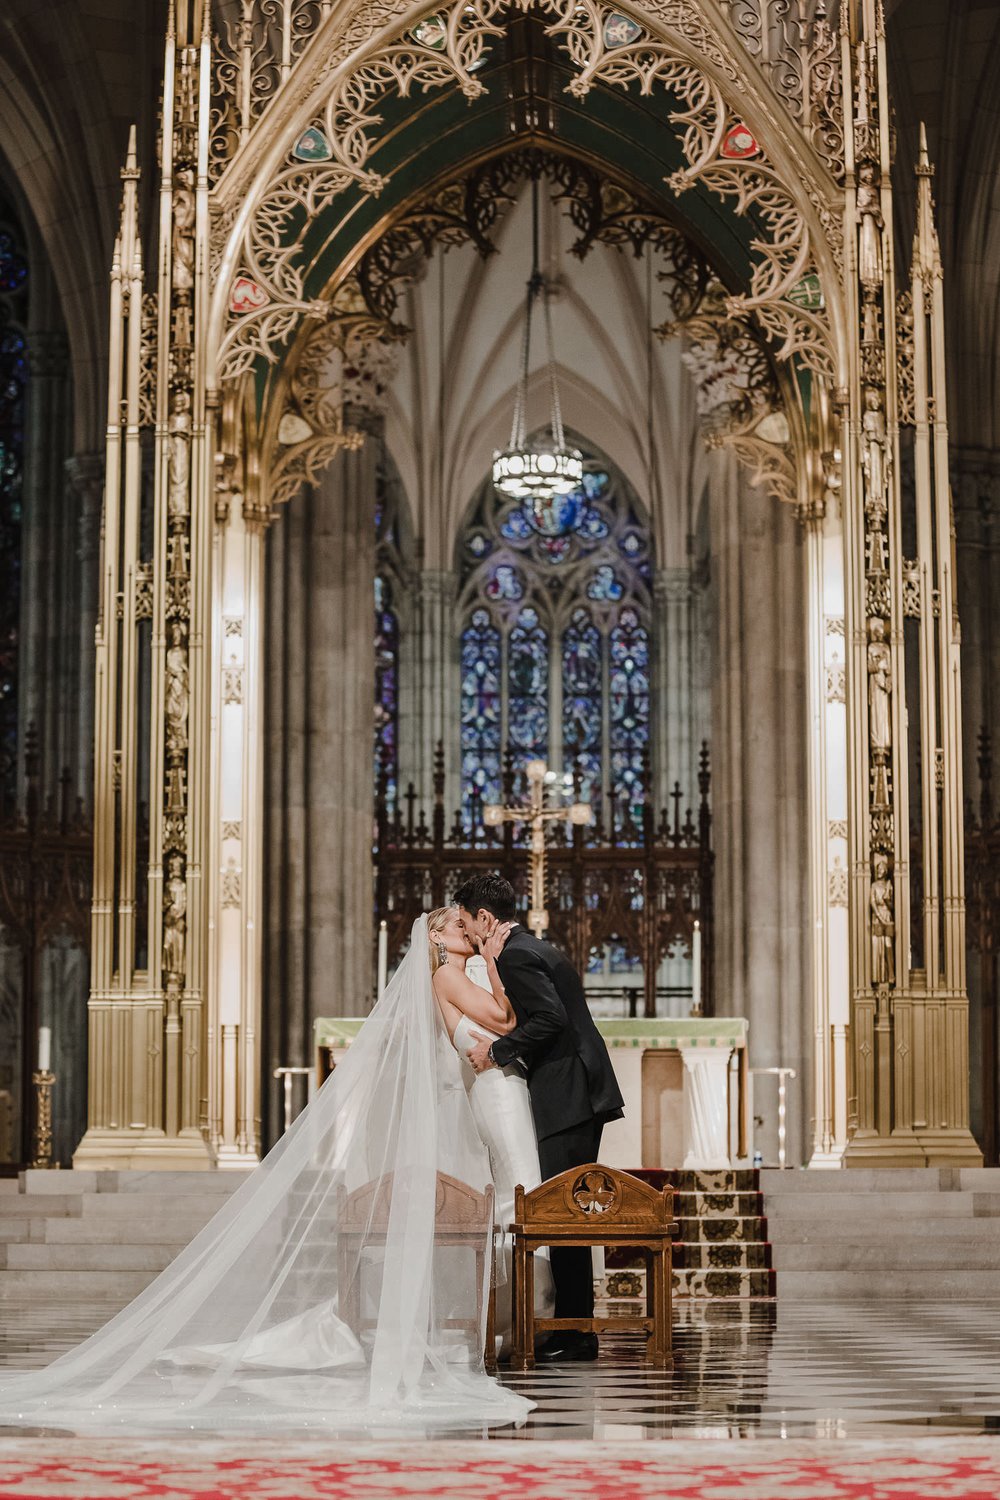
{"x":605,"y":884}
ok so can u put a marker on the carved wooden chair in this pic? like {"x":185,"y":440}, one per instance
{"x":593,"y":1205}
{"x":460,"y":1214}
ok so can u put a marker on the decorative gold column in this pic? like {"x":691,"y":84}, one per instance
{"x":146,"y":1064}
{"x":909,"y":1056}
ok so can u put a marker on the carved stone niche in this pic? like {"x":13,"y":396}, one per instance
{"x":737,"y":393}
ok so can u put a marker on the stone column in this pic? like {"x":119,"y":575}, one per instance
{"x":319,"y":793}
{"x":828,"y":866}
{"x":759,"y":801}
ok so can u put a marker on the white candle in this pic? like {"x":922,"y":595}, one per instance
{"x":696,"y":968}
{"x":383,"y":958}
{"x":44,"y":1048}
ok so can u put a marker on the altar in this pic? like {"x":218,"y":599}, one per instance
{"x":684,"y":1082}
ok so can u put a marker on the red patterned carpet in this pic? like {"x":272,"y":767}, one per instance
{"x":927,"y":1469}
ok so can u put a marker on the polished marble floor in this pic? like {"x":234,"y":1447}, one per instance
{"x":761,"y":1370}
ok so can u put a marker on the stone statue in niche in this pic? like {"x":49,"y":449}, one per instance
{"x":874,"y":457}
{"x":871,"y":225}
{"x":183,"y":233}
{"x":179,"y":467}
{"x":176,"y":689}
{"x":175,"y":920}
{"x":879,"y":686}
{"x":883,"y":925}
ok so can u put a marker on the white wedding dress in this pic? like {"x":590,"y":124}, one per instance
{"x":329,"y":1293}
{"x":501,"y":1108}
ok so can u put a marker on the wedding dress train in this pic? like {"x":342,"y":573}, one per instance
{"x":288,"y":1310}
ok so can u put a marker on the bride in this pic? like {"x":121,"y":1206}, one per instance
{"x":326,"y":1293}
{"x":499,"y":1097}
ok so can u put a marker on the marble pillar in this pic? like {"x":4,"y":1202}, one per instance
{"x":673,"y":599}
{"x":759,"y":797}
{"x":318,"y":740}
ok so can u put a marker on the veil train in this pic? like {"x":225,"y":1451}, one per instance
{"x":343,"y":1285}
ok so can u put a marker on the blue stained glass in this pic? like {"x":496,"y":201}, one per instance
{"x":505,"y":582}
{"x":528,"y":686}
{"x":13,"y":266}
{"x":516,"y":528}
{"x":478,"y":544}
{"x":480,"y":710}
{"x":629,"y":710}
{"x":595,"y":482}
{"x":631,"y":544}
{"x":554,"y":516}
{"x":593,"y":525}
{"x":582,"y":700}
{"x":386,"y":693}
{"x":605,"y":584}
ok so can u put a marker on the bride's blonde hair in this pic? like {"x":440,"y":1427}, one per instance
{"x":437,"y":921}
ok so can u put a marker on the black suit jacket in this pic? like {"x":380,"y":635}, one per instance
{"x":570,"y":1077}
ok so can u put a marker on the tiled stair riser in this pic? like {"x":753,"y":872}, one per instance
{"x":721,"y":1249}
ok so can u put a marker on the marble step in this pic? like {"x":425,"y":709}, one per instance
{"x":153,"y":1228}
{"x":886,"y":1285}
{"x":900,"y":1205}
{"x":125,"y":1206}
{"x":216,"y":1184}
{"x":104,"y":1258}
{"x":885,"y":1180}
{"x":115,"y":1288}
{"x":886,"y":1254}
{"x":40,"y":1206}
{"x":862,"y":1228}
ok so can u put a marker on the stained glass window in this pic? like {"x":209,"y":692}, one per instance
{"x":583,"y":696}
{"x":528,"y":688}
{"x":386,"y":692}
{"x":13,"y":384}
{"x":555,"y":642}
{"x":390,"y":594}
{"x":629,"y":710}
{"x":481,"y":709}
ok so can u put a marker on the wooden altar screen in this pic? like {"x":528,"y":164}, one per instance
{"x":641,"y":886}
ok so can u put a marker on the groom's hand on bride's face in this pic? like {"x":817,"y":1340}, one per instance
{"x":479,"y":1055}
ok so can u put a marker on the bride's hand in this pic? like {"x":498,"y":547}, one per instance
{"x":494,"y":939}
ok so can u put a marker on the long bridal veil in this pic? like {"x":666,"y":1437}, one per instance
{"x":342,"y":1287}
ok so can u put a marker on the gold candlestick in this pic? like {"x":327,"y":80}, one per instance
{"x":43,"y":1081}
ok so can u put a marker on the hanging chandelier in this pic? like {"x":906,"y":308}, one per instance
{"x":545,"y":468}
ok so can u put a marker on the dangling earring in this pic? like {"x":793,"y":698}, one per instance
{"x":442,"y":953}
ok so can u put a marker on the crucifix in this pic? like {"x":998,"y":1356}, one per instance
{"x":536,"y":815}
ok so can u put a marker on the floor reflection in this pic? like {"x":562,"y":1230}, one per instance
{"x":741,"y":1370}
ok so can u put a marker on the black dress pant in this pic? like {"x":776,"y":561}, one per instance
{"x":572,"y":1266}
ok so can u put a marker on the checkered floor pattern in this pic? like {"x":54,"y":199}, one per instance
{"x":886,"y":1370}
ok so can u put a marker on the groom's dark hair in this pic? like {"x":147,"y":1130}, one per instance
{"x":489,"y":892}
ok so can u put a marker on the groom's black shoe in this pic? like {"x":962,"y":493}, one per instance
{"x":566,"y":1345}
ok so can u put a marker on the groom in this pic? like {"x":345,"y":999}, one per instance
{"x":570,"y":1078}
